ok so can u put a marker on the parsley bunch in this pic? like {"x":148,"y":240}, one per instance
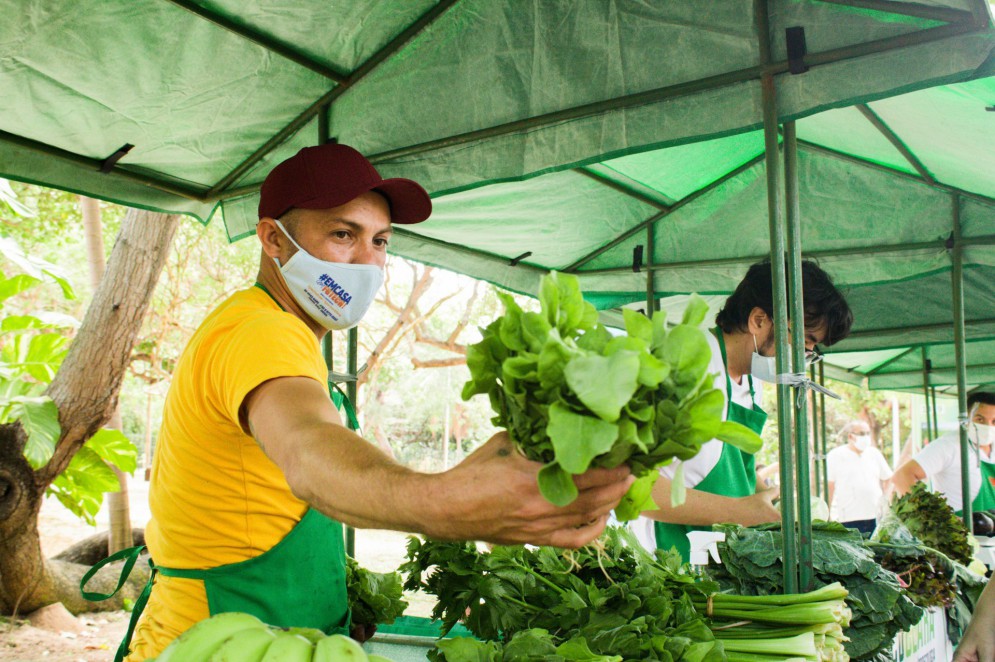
{"x":609,"y":599}
{"x":573,"y":397}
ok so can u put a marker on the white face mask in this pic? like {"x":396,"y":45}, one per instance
{"x":980,"y":434}
{"x":862,"y":442}
{"x":763,"y":367}
{"x":334,"y":294}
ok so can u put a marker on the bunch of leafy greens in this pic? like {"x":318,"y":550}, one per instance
{"x":374,"y":598}
{"x":608,"y":599}
{"x":573,"y":397}
{"x":929,"y":517}
{"x":752,"y":564}
{"x":933,"y":578}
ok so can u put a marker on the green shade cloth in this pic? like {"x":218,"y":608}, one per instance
{"x":550,"y":133}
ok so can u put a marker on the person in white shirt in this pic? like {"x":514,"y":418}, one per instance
{"x":857,"y":473}
{"x":940,"y":460}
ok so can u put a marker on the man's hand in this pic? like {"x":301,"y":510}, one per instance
{"x":760,"y":508}
{"x":494,"y":496}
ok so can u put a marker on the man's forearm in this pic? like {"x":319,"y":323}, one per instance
{"x":704,"y":509}
{"x":351,"y":480}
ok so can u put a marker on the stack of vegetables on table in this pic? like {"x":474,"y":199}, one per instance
{"x":929,"y":547}
{"x":573,"y":397}
{"x":752,"y":564}
{"x":611,"y":601}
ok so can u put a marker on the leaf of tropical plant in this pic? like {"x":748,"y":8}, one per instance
{"x":14,"y":285}
{"x":114,"y":447}
{"x":89,"y":471}
{"x":45,"y":352}
{"x":578,"y":439}
{"x":638,"y":499}
{"x":557,"y":485}
{"x":8,"y":196}
{"x":34,"y":266}
{"x":40,"y":418}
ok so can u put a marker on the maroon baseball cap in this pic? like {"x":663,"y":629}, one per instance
{"x":331,"y":175}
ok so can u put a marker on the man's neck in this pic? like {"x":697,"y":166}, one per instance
{"x":739,"y":354}
{"x":270,"y":278}
{"x":855,"y":449}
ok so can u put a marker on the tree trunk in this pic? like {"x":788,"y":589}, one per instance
{"x":118,"y":507}
{"x":85,"y":390}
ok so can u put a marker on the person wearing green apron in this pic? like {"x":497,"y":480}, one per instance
{"x":254,"y":471}
{"x":940,"y":462}
{"x":721,"y":479}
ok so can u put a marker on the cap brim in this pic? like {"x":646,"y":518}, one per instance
{"x":409,"y":202}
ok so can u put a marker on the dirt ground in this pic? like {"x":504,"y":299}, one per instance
{"x":101,"y":632}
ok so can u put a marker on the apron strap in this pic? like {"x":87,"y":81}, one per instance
{"x":340,"y":399}
{"x":131,"y":554}
{"x":725,"y":363}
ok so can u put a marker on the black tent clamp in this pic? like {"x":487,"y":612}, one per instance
{"x":111,"y":161}
{"x":795,"y":38}
{"x":515,"y":260}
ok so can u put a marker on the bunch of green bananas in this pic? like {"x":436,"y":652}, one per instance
{"x":238,"y":637}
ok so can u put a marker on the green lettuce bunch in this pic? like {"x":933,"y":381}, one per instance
{"x":573,"y":397}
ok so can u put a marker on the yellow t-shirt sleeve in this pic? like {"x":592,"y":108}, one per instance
{"x":270,"y":346}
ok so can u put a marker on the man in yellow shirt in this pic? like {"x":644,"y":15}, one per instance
{"x":255,"y":473}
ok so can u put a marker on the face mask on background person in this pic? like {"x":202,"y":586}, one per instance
{"x":980,"y":434}
{"x":335,"y":295}
{"x":862,"y":442}
{"x":763,"y":367}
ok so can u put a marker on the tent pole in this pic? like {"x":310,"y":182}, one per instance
{"x":326,"y":342}
{"x":794,"y":244}
{"x":925,"y":389}
{"x":825,"y":444}
{"x":936,"y":421}
{"x":651,"y":302}
{"x":784,"y":401}
{"x":960,"y":347}
{"x":816,"y":456}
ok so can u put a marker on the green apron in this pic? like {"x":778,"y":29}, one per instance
{"x":299,"y":582}
{"x":734,"y":475}
{"x":986,"y":493}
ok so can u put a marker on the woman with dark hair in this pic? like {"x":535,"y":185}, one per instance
{"x":722,"y":479}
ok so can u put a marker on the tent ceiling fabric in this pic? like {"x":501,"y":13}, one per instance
{"x":551,"y":134}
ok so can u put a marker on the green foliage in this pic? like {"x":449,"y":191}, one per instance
{"x":752,"y":565}
{"x":374,"y":598}
{"x":573,"y":397}
{"x":605,"y":600}
{"x":929,"y":517}
{"x":31,"y":352}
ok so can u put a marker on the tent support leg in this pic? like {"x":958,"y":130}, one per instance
{"x":925,"y":389}
{"x":651,"y":302}
{"x":802,"y":458}
{"x":784,"y":400}
{"x":960,"y":347}
{"x":815,"y":437}
{"x":825,"y":437}
{"x":936,"y":420}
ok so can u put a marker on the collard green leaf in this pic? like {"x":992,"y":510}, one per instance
{"x":557,"y":485}
{"x":578,"y":439}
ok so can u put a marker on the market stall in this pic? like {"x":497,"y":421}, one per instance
{"x":508,"y":113}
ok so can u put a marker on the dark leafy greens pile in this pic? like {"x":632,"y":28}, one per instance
{"x":610,"y":600}
{"x":933,"y":578}
{"x":929,"y":517}
{"x":573,"y":397}
{"x":374,"y":598}
{"x":752,"y":564}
